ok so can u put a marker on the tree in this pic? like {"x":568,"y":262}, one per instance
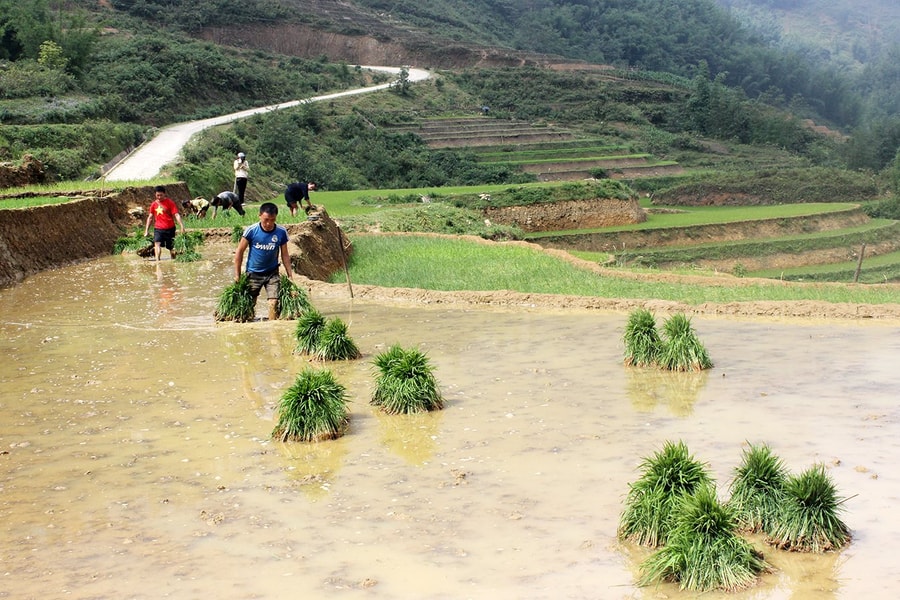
{"x":51,"y":56}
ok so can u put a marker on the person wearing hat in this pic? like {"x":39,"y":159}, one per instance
{"x":241,"y":173}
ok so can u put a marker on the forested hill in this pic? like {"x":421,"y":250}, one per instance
{"x":743,"y":41}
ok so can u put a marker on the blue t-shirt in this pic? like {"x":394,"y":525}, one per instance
{"x":264,"y":247}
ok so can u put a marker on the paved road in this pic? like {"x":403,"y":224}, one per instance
{"x":150,"y":157}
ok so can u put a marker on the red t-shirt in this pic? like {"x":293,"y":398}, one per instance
{"x":163,"y":212}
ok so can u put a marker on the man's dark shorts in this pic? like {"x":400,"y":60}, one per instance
{"x":165,"y":237}
{"x":268,"y":280}
{"x":292,"y":198}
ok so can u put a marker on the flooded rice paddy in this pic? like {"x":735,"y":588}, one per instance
{"x":137,"y":461}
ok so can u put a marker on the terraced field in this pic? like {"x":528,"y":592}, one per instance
{"x":825,"y":245}
{"x":550,"y":153}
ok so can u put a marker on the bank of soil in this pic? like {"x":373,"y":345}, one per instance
{"x":45,"y":237}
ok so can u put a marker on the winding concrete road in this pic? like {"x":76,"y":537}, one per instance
{"x":148,"y":159}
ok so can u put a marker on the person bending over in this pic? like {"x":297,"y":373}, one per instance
{"x":226,"y":200}
{"x":296,"y":193}
{"x":264,"y":243}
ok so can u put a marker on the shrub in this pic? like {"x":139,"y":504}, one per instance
{"x":809,"y":521}
{"x":235,"y":302}
{"x":703,"y":551}
{"x":758,"y":489}
{"x":313,"y":409}
{"x":653,"y":500}
{"x":642,"y":342}
{"x":405,"y":382}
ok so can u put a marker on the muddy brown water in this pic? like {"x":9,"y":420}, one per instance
{"x":137,"y":460}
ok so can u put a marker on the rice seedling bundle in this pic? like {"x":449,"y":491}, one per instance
{"x":313,"y":409}
{"x":236,"y":303}
{"x":293,"y":300}
{"x":758,"y":489}
{"x":237,"y":232}
{"x":652,"y":501}
{"x":809,"y":519}
{"x":682,"y":350}
{"x":309,"y":328}
{"x":703,"y":551}
{"x":405,"y":382}
{"x":642,"y":341}
{"x":335,"y":343}
{"x":132,"y":243}
{"x":186,"y":244}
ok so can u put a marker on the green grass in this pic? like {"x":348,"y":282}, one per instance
{"x":436,"y":263}
{"x":875,"y":269}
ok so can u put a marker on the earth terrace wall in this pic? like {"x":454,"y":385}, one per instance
{"x":45,"y":237}
{"x":617,"y":241}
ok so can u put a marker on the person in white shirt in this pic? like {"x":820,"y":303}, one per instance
{"x":241,"y":174}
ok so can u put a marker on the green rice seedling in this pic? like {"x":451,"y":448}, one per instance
{"x":237,"y":232}
{"x":293,"y":300}
{"x":704,"y":551}
{"x":758,"y":489}
{"x":652,"y":500}
{"x":132,"y":243}
{"x":808,"y":520}
{"x":682,"y":351}
{"x":642,"y":341}
{"x":186,"y":246}
{"x":236,"y":303}
{"x":405,"y":382}
{"x":309,"y":328}
{"x":313,"y":409}
{"x":335,"y":343}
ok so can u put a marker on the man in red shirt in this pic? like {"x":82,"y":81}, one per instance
{"x":164,"y":214}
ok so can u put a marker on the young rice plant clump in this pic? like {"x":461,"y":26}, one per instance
{"x":186,"y":244}
{"x":293,"y":300}
{"x":235,"y":302}
{"x":809,"y":521}
{"x":642,"y":341}
{"x":654,"y":498}
{"x":405,"y":382}
{"x":335,"y":343}
{"x":309,"y":327}
{"x":682,"y":350}
{"x":758,"y":489}
{"x":703,"y":551}
{"x":313,"y":409}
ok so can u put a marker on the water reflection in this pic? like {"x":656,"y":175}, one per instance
{"x":412,"y":437}
{"x":649,"y":388}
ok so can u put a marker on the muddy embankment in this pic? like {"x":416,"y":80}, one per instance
{"x":617,"y":241}
{"x":44,"y":237}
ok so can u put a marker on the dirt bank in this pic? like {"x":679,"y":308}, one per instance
{"x":63,"y":234}
{"x":44,"y":237}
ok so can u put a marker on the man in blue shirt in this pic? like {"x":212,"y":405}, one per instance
{"x":266,"y":242}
